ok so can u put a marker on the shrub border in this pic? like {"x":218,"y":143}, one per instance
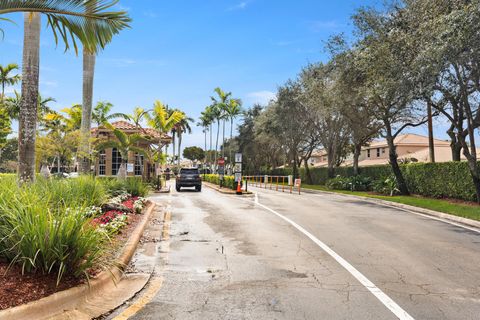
{"x":59,"y":302}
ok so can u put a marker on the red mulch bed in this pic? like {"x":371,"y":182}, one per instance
{"x":17,"y":289}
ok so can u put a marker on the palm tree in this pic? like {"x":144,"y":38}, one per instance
{"x":220,"y":104}
{"x":205,"y":122}
{"x":14,"y":104}
{"x":101,"y":113}
{"x":182,"y":127}
{"x":70,"y":20}
{"x":124,"y":143}
{"x":234,"y":109}
{"x":7,"y":79}
{"x":162,"y":121}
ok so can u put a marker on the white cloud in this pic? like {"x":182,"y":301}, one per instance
{"x":150,"y":14}
{"x":239,"y":6}
{"x":47,"y":83}
{"x":127,"y":62}
{"x":261,"y":97}
{"x":321,"y":25}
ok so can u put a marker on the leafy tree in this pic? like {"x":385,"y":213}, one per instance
{"x":194,"y":153}
{"x":384,"y":59}
{"x":9,"y":156}
{"x":72,"y":20}
{"x":357,"y":113}
{"x":5,"y":128}
{"x":325,"y":124}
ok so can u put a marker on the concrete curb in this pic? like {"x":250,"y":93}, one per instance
{"x":445,"y":216}
{"x":223,"y":190}
{"x":68,"y":299}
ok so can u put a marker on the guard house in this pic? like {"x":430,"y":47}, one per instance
{"x":109,"y":160}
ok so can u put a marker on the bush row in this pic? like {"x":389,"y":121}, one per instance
{"x":228,"y":181}
{"x":438,"y":180}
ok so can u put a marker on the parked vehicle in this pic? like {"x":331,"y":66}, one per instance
{"x":188,"y":177}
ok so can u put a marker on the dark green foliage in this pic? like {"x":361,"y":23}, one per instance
{"x":132,"y":185}
{"x":194,"y":153}
{"x":353,"y":183}
{"x":438,"y":180}
{"x":386,"y":186}
{"x":228,"y":181}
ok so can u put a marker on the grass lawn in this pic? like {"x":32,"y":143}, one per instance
{"x":460,"y":209}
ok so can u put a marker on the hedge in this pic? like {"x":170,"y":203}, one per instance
{"x":228,"y":181}
{"x":438,"y":180}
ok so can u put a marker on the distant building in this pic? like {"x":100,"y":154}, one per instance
{"x":409,"y":146}
{"x":109,"y":160}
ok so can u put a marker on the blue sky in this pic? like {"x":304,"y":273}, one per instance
{"x":179,"y":51}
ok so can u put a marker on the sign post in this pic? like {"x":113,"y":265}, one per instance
{"x":221,"y":169}
{"x":238,"y":171}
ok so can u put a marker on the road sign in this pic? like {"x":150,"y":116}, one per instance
{"x":238,"y":157}
{"x":238,"y":167}
{"x":238,"y":176}
{"x":298,"y":182}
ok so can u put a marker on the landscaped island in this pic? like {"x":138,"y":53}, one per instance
{"x":58,"y":233}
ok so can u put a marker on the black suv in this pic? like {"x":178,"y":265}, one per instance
{"x":189,"y":177}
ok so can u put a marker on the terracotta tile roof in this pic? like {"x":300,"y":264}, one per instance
{"x":407,"y":139}
{"x":129,"y":127}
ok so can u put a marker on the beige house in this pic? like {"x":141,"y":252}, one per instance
{"x":109,"y":160}
{"x":409,"y":146}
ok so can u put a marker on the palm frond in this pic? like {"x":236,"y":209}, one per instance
{"x":8,"y":20}
{"x":106,"y":145}
{"x":85,"y":20}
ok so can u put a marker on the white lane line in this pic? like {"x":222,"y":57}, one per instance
{"x":379,"y":294}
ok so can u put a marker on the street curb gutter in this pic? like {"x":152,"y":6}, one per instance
{"x":59,"y":302}
{"x":436,"y":214}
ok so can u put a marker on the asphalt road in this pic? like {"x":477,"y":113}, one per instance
{"x":313,"y":256}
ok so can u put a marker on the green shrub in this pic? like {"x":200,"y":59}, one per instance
{"x":355,"y":183}
{"x":43,"y":232}
{"x":438,"y":180}
{"x":338,"y":183}
{"x":133,"y":185}
{"x":136,"y":187}
{"x":228,"y":181}
{"x":387,"y":186}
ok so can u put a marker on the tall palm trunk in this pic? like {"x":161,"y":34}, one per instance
{"x":223,"y":141}
{"x":205,"y":160}
{"x":211,"y":131}
{"x":216,"y":145}
{"x":179,"y":146}
{"x":29,"y":103}
{"x":87,"y":101}
{"x":231,"y":139}
{"x":173,"y":146}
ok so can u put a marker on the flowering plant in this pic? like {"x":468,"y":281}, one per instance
{"x":139,"y":204}
{"x":107,"y":217}
{"x":92,"y":212}
{"x":115,"y":225}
